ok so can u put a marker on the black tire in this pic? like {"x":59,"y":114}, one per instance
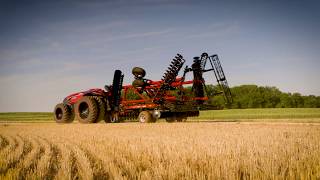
{"x":102,"y":109}
{"x":86,"y":110}
{"x":116,"y":90}
{"x":181,"y":119}
{"x":112,"y":117}
{"x":137,"y":83}
{"x":107,"y":112}
{"x":108,"y":117}
{"x":198,"y":78}
{"x":170,"y":119}
{"x":62,"y":114}
{"x":138,"y":72}
{"x":145,"y":117}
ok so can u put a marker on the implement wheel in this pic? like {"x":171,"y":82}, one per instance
{"x":62,"y":114}
{"x":181,"y":117}
{"x":170,"y":119}
{"x":138,"y":72}
{"x":86,"y":110}
{"x":145,"y":117}
{"x":137,"y":83}
{"x":101,"y":105}
{"x":112,"y":117}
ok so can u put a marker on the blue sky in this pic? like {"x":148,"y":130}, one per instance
{"x":49,"y":49}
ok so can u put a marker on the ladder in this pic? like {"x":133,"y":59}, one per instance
{"x":215,"y":66}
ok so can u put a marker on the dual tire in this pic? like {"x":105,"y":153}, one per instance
{"x":89,"y":109}
{"x":92,"y":109}
{"x":63,"y":113}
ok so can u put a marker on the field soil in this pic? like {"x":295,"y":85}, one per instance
{"x":191,"y":150}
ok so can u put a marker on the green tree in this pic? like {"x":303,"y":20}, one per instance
{"x":310,"y":101}
{"x":297,"y":100}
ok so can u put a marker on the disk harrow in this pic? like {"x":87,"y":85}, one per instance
{"x":173,"y":70}
{"x":169,"y":77}
{"x":147,"y":100}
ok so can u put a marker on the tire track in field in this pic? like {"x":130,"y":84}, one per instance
{"x":69,"y":167}
{"x":74,"y":163}
{"x":97,"y":166}
{"x":82,"y":165}
{"x":13,"y":154}
{"x":113,"y":166}
{"x":78,"y":163}
{"x":54,"y":161}
{"x":47,"y":164}
{"x":29,"y":163}
{"x":36,"y":158}
{"x":18,"y":157}
{"x":11,"y":144}
{"x":127,"y":165}
{"x":3,"y":142}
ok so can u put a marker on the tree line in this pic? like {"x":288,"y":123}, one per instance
{"x":253,"y":96}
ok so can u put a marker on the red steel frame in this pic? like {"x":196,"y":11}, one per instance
{"x":146,"y":102}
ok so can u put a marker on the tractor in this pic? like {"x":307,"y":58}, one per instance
{"x":172,"y":98}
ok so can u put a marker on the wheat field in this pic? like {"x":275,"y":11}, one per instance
{"x":160,"y":151}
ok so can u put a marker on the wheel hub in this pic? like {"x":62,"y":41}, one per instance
{"x":84,"y":110}
{"x":59,"y":113}
{"x":142,"y":118}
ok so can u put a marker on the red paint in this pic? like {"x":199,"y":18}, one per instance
{"x":144,"y":102}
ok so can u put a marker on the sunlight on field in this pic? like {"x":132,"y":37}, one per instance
{"x":160,"y":151}
{"x":265,"y":115}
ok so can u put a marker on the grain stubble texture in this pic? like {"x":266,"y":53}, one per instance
{"x":160,"y":151}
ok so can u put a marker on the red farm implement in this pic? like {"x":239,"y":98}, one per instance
{"x":173,"y":98}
